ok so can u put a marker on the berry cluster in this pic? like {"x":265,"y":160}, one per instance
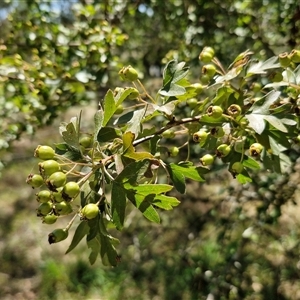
{"x":58,"y":190}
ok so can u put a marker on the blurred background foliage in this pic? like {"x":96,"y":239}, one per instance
{"x":225,"y":241}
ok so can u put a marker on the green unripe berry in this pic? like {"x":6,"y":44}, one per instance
{"x":168,"y":134}
{"x":256,"y":87}
{"x":276,"y":77}
{"x":198,"y":88}
{"x":49,"y":219}
{"x":214,"y":111}
{"x":86,"y":141}
{"x":200,"y":136}
{"x":217,"y":132}
{"x":57,"y":197}
{"x":223,"y":150}
{"x":174,"y":151}
{"x":43,"y":196}
{"x":284,"y":59}
{"x":256,"y":149}
{"x":128,"y":74}
{"x":237,"y":167}
{"x":57,"y":180}
{"x":44,"y":152}
{"x":209,"y":70}
{"x":90,"y":211}
{"x":192,"y":103}
{"x":71,"y":189}
{"x":205,"y":79}
{"x":207,"y":160}
{"x":119,"y":109}
{"x":49,"y":167}
{"x":35,"y":180}
{"x":234,"y":110}
{"x":207,"y":54}
{"x":133,"y":95}
{"x":57,"y":235}
{"x":295,"y":56}
{"x":63,"y":208}
{"x":44,"y":209}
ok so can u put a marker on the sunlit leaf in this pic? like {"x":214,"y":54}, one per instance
{"x":80,"y":232}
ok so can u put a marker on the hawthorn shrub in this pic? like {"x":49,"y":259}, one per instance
{"x":245,"y":117}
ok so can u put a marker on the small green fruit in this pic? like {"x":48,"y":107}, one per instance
{"x":63,"y":208}
{"x":198,"y":88}
{"x":192,"y":102}
{"x":256,"y":149}
{"x":35,"y":180}
{"x":57,"y":196}
{"x":49,"y":219}
{"x":207,"y":160}
{"x":168,"y":134}
{"x":86,"y":141}
{"x":209,"y":70}
{"x":128,"y":74}
{"x":205,"y":79}
{"x":234,"y":110}
{"x":57,"y":235}
{"x":217,"y":132}
{"x":119,"y":109}
{"x":295,"y":56}
{"x":57,"y":180}
{"x":223,"y":150}
{"x":214,"y":111}
{"x":90,"y":211}
{"x":71,"y":189}
{"x":134,"y":94}
{"x":207,"y":54}
{"x":276,"y":77}
{"x":49,"y":167}
{"x":200,"y":136}
{"x":237,"y":167}
{"x":44,"y":152}
{"x":174,"y":151}
{"x":43,"y":196}
{"x":44,"y":209}
{"x":284,"y":59}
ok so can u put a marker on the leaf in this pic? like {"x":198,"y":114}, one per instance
{"x":134,"y":125}
{"x":70,"y":135}
{"x":275,"y":122}
{"x":123,"y":94}
{"x":222,"y":95}
{"x":167,"y":108}
{"x":172,"y":74}
{"x":98,"y":121}
{"x":144,"y":204}
{"x":262,"y":106}
{"x":109,"y":107}
{"x":81,"y":231}
{"x":178,"y":172}
{"x":260,"y":113}
{"x":249,"y":162}
{"x":257,"y":122}
{"x":118,"y":204}
{"x":129,"y":151}
{"x":107,"y":134}
{"x":108,"y":252}
{"x":133,"y":172}
{"x":94,"y":245}
{"x":261,"y":67}
{"x":146,"y":189}
{"x":165,"y":202}
{"x":243,"y":178}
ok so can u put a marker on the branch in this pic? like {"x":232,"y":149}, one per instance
{"x":171,"y":124}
